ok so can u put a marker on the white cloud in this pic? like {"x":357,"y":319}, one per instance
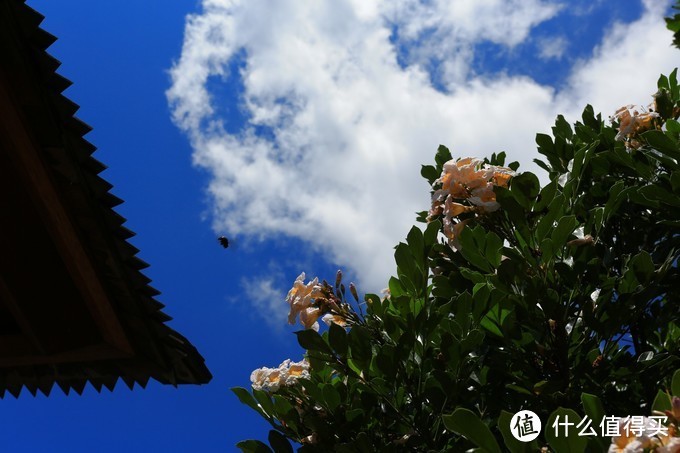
{"x":348,"y":127}
{"x":552,"y":48}
{"x":264,"y":299}
{"x":624,"y":68}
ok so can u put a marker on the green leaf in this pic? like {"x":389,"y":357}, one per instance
{"x":555,"y":210}
{"x":545,"y":143}
{"x":331,"y":396}
{"x":662,"y":402}
{"x":493,"y":249}
{"x":562,"y":128}
{"x":443,"y":156}
{"x":467,"y":423}
{"x":429,"y":172}
{"x":312,"y":341}
{"x":431,"y":232}
{"x":337,"y":337}
{"x":472,"y":242}
{"x":248,"y":399}
{"x":511,"y":442}
{"x":675,"y":384}
{"x":264,"y":400}
{"x":360,"y":344}
{"x":395,"y":286}
{"x":565,"y":226}
{"x":405,"y":262}
{"x":561,"y":443}
{"x":279,"y":442}
{"x":661,"y":142}
{"x":614,"y":200}
{"x":416,"y":244}
{"x":526,"y":188}
{"x":595,"y":411}
{"x":546,"y":196}
{"x":253,"y":446}
{"x":642,"y":266}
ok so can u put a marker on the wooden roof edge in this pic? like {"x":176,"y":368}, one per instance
{"x":181,"y":354}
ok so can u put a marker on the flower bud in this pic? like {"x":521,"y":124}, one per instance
{"x":353,"y":290}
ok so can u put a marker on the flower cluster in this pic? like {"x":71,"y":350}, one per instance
{"x":467,"y":185}
{"x":647,"y":436}
{"x":301,"y":298}
{"x":632,"y":123}
{"x":312,"y":300}
{"x":271,"y":379}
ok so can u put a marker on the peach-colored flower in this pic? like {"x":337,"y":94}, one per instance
{"x":632,"y":122}
{"x":668,"y":444}
{"x":452,"y":231}
{"x":331,"y":318}
{"x":485,"y":198}
{"x":453,"y":209}
{"x":300,"y":296}
{"x":628,"y":442}
{"x":458,"y":175}
{"x":308,"y":318}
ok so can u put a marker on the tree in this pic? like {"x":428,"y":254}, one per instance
{"x":561,"y":299}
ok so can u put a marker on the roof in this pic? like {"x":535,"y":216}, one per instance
{"x":74,"y":304}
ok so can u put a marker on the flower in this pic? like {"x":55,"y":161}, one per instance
{"x":308,"y":318}
{"x":337,"y":319}
{"x":452,"y":231}
{"x":632,"y":122}
{"x":459,"y":175}
{"x":453,"y":209}
{"x":485,"y":198}
{"x":466,"y":179}
{"x":300,"y":296}
{"x":668,"y":445}
{"x":627,"y":441}
{"x":272,"y":379}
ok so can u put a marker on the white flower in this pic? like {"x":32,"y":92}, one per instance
{"x":272,"y":379}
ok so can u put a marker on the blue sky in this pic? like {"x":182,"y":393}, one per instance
{"x":298,"y":130}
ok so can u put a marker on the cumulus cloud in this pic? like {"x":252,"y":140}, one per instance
{"x":624,"y":68}
{"x":340,"y":109}
{"x":265,"y":299}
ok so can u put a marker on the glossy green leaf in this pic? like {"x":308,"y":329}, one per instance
{"x":675,"y":384}
{"x":511,"y":442}
{"x":662,"y":402}
{"x":595,"y":411}
{"x":546,"y":224}
{"x":564,"y":438}
{"x":466,"y":423}
{"x":526,"y":188}
{"x":565,"y":226}
{"x":312,"y":341}
{"x":264,"y":400}
{"x":661,"y":142}
{"x":337,"y":337}
{"x":248,"y":399}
